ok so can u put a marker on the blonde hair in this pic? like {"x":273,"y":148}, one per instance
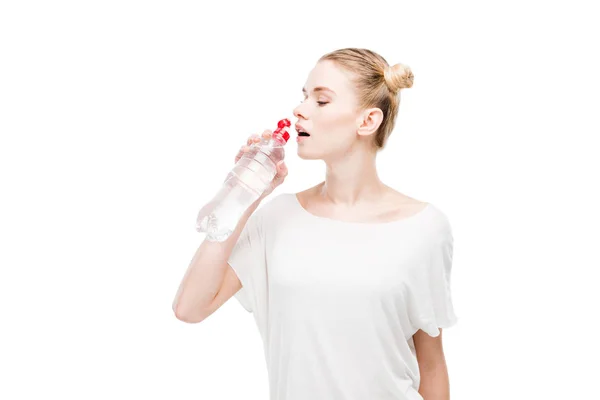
{"x":378,"y":84}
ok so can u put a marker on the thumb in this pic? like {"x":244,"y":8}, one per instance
{"x":281,"y":168}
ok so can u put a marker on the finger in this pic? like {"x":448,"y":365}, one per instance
{"x":251,"y":138}
{"x":243,"y":150}
{"x":267,"y":133}
{"x":239,"y":155}
{"x":282,"y":169}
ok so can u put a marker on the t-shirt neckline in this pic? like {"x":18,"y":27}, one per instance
{"x":410,"y":218}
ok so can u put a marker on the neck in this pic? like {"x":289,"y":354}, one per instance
{"x":352,"y":179}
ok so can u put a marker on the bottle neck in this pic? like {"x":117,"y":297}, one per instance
{"x":278,"y":140}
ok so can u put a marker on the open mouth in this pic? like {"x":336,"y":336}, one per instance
{"x":301,"y":133}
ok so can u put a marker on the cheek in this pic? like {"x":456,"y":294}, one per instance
{"x":343,"y":129}
{"x":337,"y":120}
{"x":337,"y":136}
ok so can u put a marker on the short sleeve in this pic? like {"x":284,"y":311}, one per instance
{"x":248,"y":260}
{"x":431,"y":304}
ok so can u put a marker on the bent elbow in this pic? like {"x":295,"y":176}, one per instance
{"x":187,"y":317}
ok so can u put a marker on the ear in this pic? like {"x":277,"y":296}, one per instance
{"x":369,"y":121}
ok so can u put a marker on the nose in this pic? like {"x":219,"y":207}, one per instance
{"x":298,"y":112}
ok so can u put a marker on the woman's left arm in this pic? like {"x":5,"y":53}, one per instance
{"x":435,"y":384}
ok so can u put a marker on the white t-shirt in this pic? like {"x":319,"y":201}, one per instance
{"x":337,"y":302}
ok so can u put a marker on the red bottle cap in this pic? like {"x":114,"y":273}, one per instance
{"x":281,"y":131}
{"x":283,"y":123}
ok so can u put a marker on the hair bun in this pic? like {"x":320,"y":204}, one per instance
{"x":398,"y":77}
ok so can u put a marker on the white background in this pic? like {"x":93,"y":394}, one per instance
{"x":119,"y":119}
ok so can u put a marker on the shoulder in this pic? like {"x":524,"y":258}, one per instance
{"x":440,"y":216}
{"x":439,"y":228}
{"x":275,"y":204}
{"x":433,"y":221}
{"x":434,"y":216}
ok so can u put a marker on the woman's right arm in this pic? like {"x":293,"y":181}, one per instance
{"x":209,"y":280}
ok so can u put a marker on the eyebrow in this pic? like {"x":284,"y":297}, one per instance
{"x":319,"y":89}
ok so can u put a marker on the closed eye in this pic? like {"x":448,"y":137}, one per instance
{"x":320,"y":103}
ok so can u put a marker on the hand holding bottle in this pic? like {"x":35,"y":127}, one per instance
{"x":258,"y":170}
{"x":282,"y":170}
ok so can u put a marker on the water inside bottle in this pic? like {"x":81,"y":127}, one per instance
{"x":219,"y":218}
{"x":243,"y":186}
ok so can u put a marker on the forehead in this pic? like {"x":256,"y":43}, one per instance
{"x":327,"y":73}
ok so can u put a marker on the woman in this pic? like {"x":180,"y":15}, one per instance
{"x":348,"y":281}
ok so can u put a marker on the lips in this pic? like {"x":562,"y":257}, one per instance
{"x":301,"y":131}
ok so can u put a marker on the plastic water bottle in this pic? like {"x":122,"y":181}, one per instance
{"x":245,"y":183}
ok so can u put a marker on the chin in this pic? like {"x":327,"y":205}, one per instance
{"x":306,"y":155}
